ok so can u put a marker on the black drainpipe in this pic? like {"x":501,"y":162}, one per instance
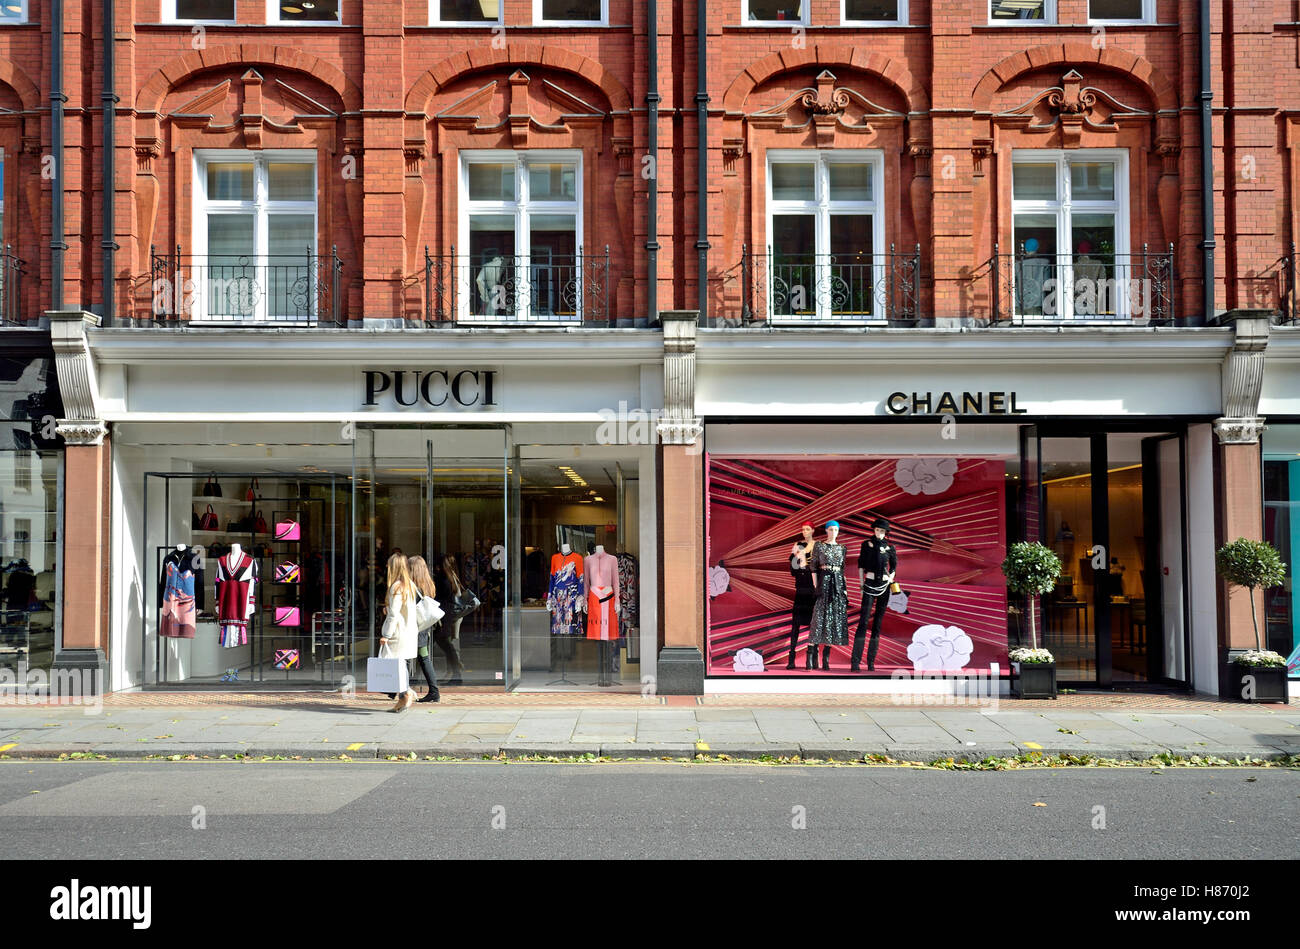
{"x":57,"y":98}
{"x":652,"y":145}
{"x":702,"y":158}
{"x":1207,"y":167}
{"x":109,"y":98}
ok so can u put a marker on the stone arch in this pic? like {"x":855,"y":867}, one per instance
{"x":1073,"y":54}
{"x":17,"y":80}
{"x":852,"y":57}
{"x":171,"y":74}
{"x":516,"y":55}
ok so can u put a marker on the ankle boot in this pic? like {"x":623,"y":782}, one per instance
{"x":826,"y":658}
{"x":810,"y":657}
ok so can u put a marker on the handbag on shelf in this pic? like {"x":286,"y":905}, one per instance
{"x":287,"y":572}
{"x":208,"y":521}
{"x":288,"y":530}
{"x":212,"y":489}
{"x":195,"y":523}
{"x":287,"y":616}
{"x":259,"y":524}
{"x":286,"y":658}
{"x":254,"y":491}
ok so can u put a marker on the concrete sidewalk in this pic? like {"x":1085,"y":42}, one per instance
{"x":361,"y":727}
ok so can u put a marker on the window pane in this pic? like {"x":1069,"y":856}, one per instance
{"x":793,"y":181}
{"x":570,"y":9}
{"x":791,"y":269}
{"x":851,"y":273}
{"x":1115,"y":9}
{"x":468,"y":11}
{"x":291,"y":276}
{"x":491,"y":182}
{"x":1018,"y":9}
{"x":205,"y":9}
{"x":490,"y":274}
{"x":552,"y":182}
{"x":1033,"y":182}
{"x":1035,"y":265}
{"x":1092,"y":240}
{"x":230,"y":181}
{"x":230,"y":285}
{"x":290,"y":235}
{"x":301,"y":11}
{"x":1092,"y":181}
{"x":775,"y":10}
{"x":553,"y":276}
{"x":871,"y":10}
{"x":850,"y":182}
{"x":291,"y":181}
{"x":11,"y":10}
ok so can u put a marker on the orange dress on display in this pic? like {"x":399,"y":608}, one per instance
{"x":600,"y":571}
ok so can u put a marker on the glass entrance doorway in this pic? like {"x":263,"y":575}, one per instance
{"x":1111,"y":508}
{"x":439,"y":493}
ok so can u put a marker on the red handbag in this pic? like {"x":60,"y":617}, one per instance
{"x":208,"y":520}
{"x":259,"y":527}
{"x":254,"y":490}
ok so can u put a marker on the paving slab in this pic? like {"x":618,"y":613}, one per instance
{"x":906,"y":734}
{"x":854,"y":731}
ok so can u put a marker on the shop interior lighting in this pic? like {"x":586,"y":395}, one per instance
{"x":1089,"y":475}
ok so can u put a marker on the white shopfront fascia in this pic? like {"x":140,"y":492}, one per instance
{"x":1280,"y":396}
{"x":1090,"y":374}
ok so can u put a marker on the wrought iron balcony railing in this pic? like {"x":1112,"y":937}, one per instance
{"x":248,"y":290}
{"x":1286,"y":292}
{"x":11,"y":282}
{"x":1034,"y":288}
{"x":830,"y":289}
{"x":534,"y":289}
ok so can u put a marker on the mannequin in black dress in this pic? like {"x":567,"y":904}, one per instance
{"x":805,"y":594}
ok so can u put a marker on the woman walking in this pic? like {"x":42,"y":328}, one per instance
{"x":447,"y":637}
{"x":399,"y":638}
{"x":425,"y":591}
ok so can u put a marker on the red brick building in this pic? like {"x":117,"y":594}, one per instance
{"x":902,"y":165}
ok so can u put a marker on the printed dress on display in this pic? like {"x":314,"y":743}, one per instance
{"x":236,"y":600}
{"x":565,"y":594}
{"x":830,"y":625}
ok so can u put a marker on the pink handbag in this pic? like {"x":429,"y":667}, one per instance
{"x":287,"y":616}
{"x":288,"y":530}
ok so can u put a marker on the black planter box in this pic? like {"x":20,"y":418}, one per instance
{"x":1269,"y":683}
{"x":1037,"y":680}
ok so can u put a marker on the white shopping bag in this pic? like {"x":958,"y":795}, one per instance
{"x":385,"y":674}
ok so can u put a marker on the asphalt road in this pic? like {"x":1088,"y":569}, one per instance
{"x":471,"y":810}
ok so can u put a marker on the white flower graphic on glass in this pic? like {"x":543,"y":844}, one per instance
{"x":937,"y":648}
{"x":925,"y":475}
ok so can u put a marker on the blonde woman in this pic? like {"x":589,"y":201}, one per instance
{"x":400,"y":634}
{"x":425,"y":588}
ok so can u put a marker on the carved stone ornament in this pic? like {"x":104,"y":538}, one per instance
{"x":1239,"y":431}
{"x":80,"y":431}
{"x":1072,"y":98}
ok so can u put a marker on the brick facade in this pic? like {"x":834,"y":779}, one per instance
{"x":386,"y":101}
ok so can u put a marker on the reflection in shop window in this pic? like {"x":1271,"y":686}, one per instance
{"x":1133,"y":11}
{"x":218,"y":11}
{"x":303,"y":11}
{"x":453,"y":12}
{"x":28,"y":555}
{"x":13,"y":11}
{"x":571,"y":11}
{"x":1282,"y":530}
{"x":875,"y":11}
{"x":775,"y":11}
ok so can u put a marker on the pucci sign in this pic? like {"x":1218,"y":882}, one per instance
{"x":953,"y":403}
{"x":444,"y":389}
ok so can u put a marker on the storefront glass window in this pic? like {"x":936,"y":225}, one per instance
{"x":1282,"y":530}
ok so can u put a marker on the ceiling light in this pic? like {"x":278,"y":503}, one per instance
{"x":288,"y":9}
{"x":308,"y":5}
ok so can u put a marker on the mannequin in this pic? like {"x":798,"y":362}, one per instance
{"x":805,"y":594}
{"x":600,"y":571}
{"x":829,"y":625}
{"x":237,"y":576}
{"x":180,"y":592}
{"x":877,"y":564}
{"x":564,"y":601}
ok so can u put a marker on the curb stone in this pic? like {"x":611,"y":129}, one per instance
{"x":848,"y":751}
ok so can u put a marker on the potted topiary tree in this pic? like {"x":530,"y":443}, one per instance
{"x":1256,"y":675}
{"x":1032,"y":569}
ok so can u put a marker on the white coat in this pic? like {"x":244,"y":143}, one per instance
{"x":399,"y":627}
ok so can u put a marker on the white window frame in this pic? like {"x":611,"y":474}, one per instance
{"x":202,"y":208}
{"x":273,"y":17}
{"x":900,"y":20}
{"x":1148,"y":16}
{"x":168,"y":14}
{"x":1063,"y":208}
{"x":435,"y":17}
{"x":804,"y":11}
{"x":538,"y":20}
{"x":21,"y":18}
{"x":822,"y":209}
{"x":1049,"y":17}
{"x":522,"y":208}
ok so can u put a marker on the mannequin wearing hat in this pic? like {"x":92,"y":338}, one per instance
{"x":877,"y":563}
{"x":829,"y":625}
{"x":805,"y":594}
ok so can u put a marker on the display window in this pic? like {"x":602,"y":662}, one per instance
{"x":31,"y":485}
{"x":1281,"y":445}
{"x":879,"y":562}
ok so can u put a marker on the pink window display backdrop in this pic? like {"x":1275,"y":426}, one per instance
{"x":948,"y":523}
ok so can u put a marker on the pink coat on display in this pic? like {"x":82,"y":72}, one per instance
{"x":600,"y":571}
